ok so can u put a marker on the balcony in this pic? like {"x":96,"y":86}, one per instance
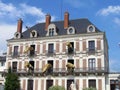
{"x":32,"y":54}
{"x":60,"y":71}
{"x":70,"y":51}
{"x":15,"y":54}
{"x":91,"y":51}
{"x":50,"y":52}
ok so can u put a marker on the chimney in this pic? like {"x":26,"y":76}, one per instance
{"x":66,"y":20}
{"x":19,"y":25}
{"x":48,"y":19}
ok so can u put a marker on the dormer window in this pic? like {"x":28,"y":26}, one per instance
{"x":17,"y":35}
{"x":33,"y":33}
{"x":71,"y":30}
{"x":51,"y":30}
{"x":90,"y":28}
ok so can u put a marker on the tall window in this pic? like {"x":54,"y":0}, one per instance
{"x":49,"y":83}
{"x":69,"y":82}
{"x":30,"y":85}
{"x":32,"y":50}
{"x":15,"y":53}
{"x":14,"y":66}
{"x":92,"y":83}
{"x":91,"y":63}
{"x":50,"y":48}
{"x":70,"y":47}
{"x":91,"y":45}
{"x":51,"y":31}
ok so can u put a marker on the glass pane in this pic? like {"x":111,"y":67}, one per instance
{"x":50,"y":48}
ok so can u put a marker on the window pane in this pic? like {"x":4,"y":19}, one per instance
{"x":50,"y":48}
{"x":30,"y":85}
{"x":15,"y":50}
{"x":91,"y":45}
{"x":92,"y":83}
{"x":91,"y":63}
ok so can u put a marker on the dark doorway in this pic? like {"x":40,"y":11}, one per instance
{"x":70,"y":47}
{"x":49,"y":83}
{"x":50,"y":70}
{"x":32,"y":65}
{"x":32,"y":50}
{"x":92,"y":83}
{"x":69,"y":82}
{"x":30,"y":85}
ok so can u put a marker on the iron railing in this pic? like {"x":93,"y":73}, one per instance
{"x":62,"y":70}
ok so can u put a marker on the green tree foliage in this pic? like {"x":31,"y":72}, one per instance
{"x":56,"y":88}
{"x":11,"y":81}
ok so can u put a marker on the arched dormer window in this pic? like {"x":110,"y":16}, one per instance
{"x":71,"y":30}
{"x":17,"y":35}
{"x":33,"y":33}
{"x":91,"y":28}
{"x":51,"y":30}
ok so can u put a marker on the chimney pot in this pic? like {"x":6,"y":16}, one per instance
{"x":66,"y":20}
{"x":19,"y":25}
{"x":48,"y":20}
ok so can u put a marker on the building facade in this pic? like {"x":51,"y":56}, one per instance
{"x":64,"y":53}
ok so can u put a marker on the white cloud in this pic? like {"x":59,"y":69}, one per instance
{"x":117,"y":21}
{"x":6,"y":32}
{"x":13,"y":12}
{"x":109,"y":10}
{"x":21,"y":11}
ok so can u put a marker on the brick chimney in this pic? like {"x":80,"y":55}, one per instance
{"x":66,"y":20}
{"x":48,"y":20}
{"x":19,"y":25}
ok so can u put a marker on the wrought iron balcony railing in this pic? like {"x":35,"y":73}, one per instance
{"x":65,"y":71}
{"x":72,"y":51}
{"x":91,"y":51}
{"x":50,"y":52}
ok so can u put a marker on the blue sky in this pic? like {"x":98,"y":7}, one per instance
{"x":105,"y":14}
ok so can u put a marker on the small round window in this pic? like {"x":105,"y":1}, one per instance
{"x":71,"y":30}
{"x":91,"y":28}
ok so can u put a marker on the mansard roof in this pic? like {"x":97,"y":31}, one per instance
{"x":80,"y":26}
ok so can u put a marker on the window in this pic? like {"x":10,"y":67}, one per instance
{"x":69,"y":82}
{"x":71,"y":30}
{"x":91,"y":46}
{"x":92,"y":83}
{"x":15,"y":53}
{"x":70,"y":46}
{"x":14,"y":66}
{"x":32,"y":50}
{"x":17,"y":35}
{"x":91,"y":28}
{"x":114,"y":84}
{"x":50,"y":48}
{"x":70,"y":66}
{"x":50,"y":70}
{"x":49,"y":83}
{"x":91,"y":63}
{"x":51,"y":31}
{"x":32,"y":66}
{"x":33,"y":33}
{"x":30,"y":85}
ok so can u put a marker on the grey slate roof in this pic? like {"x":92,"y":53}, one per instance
{"x":80,"y":26}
